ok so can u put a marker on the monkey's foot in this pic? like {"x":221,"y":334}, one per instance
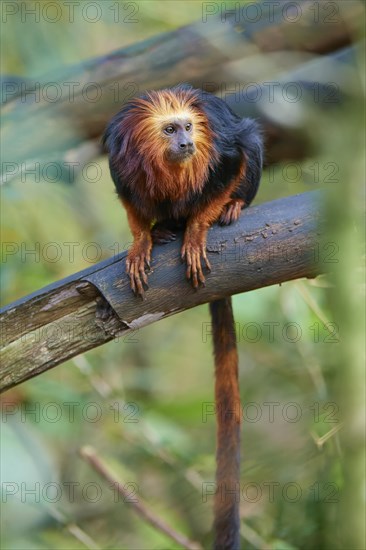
{"x":192,"y":254}
{"x":137,"y":260}
{"x":162,"y":235}
{"x":231,"y":211}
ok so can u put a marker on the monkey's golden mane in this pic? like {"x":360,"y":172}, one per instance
{"x":145,"y":148}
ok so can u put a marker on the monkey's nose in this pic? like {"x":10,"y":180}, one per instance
{"x":186,"y":145}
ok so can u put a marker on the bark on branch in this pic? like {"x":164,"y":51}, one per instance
{"x":271,"y":243}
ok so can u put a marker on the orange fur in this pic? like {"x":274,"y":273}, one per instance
{"x":228,"y":410}
{"x":206,"y":216}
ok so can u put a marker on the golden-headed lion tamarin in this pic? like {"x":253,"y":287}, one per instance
{"x":180,"y":157}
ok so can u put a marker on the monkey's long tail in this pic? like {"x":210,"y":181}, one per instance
{"x":228,"y":411}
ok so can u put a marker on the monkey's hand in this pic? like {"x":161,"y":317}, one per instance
{"x":193,"y":251}
{"x":138,"y":258}
{"x":231,"y":211}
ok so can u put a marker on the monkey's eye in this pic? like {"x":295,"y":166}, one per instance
{"x":188,"y":127}
{"x":169,"y":130}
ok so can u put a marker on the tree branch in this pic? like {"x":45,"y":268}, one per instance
{"x":271,"y":243}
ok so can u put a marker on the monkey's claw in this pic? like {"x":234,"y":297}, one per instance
{"x":135,"y":268}
{"x":192,"y":255}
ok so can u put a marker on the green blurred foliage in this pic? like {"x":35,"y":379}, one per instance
{"x":145,"y":401}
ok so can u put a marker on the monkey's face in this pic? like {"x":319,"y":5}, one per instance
{"x":179,"y":142}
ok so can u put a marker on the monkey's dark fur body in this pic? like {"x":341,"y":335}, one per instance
{"x":181,"y":158}
{"x":232,"y":137}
